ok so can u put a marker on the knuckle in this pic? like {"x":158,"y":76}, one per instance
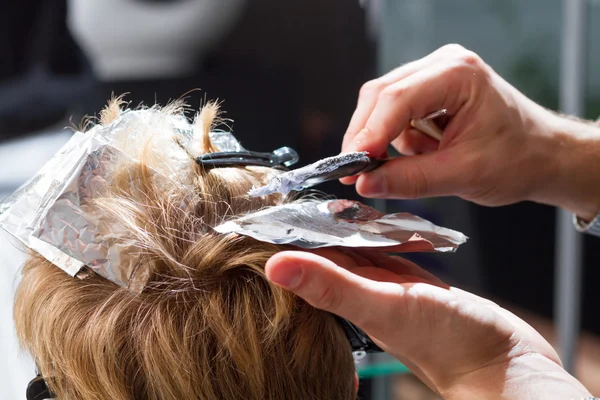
{"x":392,"y":92}
{"x":470,"y":58}
{"x":462,"y":56}
{"x":467,"y":67}
{"x":464,"y":59}
{"x":452,"y":48}
{"x":328,"y":299}
{"x":371,"y":88}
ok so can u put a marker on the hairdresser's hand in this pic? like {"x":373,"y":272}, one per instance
{"x":498,"y":146}
{"x":461,"y":345}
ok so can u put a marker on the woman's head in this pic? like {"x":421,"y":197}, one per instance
{"x":208,"y":324}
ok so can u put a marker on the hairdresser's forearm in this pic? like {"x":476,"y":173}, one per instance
{"x":569,"y":167}
{"x":530,"y":376}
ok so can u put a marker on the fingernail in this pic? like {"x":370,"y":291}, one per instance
{"x":287,"y":275}
{"x":358,"y":140}
{"x":374,"y":184}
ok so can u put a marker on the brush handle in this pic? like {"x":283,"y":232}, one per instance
{"x":373,"y":164}
{"x":425,"y":125}
{"x":428,"y":127}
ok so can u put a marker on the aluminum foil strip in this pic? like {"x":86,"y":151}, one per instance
{"x":312,"y":224}
{"x":54,"y":213}
{"x":20,"y":212}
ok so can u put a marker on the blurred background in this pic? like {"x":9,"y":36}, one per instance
{"x":288,"y":73}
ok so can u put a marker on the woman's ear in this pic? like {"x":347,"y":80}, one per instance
{"x":356,"y":382}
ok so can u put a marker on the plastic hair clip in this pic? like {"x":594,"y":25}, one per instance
{"x":280,"y":158}
{"x":37,"y":389}
{"x":359,"y":341}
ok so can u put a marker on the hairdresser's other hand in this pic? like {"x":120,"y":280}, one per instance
{"x":461,"y":345}
{"x":498,"y":146}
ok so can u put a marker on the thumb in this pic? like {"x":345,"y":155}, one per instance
{"x":323,"y":284}
{"x":439,"y":173}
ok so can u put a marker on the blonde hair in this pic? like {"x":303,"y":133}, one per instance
{"x":208,"y":324}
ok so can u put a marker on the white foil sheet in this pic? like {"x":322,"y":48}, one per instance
{"x":53,"y":213}
{"x":323,"y":223}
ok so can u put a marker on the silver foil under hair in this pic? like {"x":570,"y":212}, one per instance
{"x":53,"y":213}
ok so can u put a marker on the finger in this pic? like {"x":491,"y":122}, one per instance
{"x":412,"y":142}
{"x":383,"y":275}
{"x":438,"y":173}
{"x":475,"y":298}
{"x":357,"y":258}
{"x":327,"y":286}
{"x":375,"y":265}
{"x":349,"y":180}
{"x":403,"y":267}
{"x":439,"y":86}
{"x":344,"y":257}
{"x":400,"y":266}
{"x":370,"y":91}
{"x":367,"y":98}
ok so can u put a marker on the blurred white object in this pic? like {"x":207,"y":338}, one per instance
{"x":134,"y":39}
{"x":16,"y":368}
{"x":19,"y":160}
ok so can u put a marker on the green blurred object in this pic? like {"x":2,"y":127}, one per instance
{"x":382,"y":369}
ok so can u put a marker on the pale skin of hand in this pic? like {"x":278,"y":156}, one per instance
{"x":461,"y":345}
{"x":498,"y":146}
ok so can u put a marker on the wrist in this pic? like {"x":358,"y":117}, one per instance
{"x":530,"y":376}
{"x":569,"y":165}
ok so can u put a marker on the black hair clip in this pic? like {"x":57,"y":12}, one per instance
{"x":280,"y":158}
{"x":37,"y":389}
{"x":359,"y":340}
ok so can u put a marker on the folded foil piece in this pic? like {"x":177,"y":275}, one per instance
{"x":327,"y":169}
{"x":312,"y":224}
{"x":54,"y":212}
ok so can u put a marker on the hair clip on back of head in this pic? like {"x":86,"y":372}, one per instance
{"x":360,"y":342}
{"x":37,"y":389}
